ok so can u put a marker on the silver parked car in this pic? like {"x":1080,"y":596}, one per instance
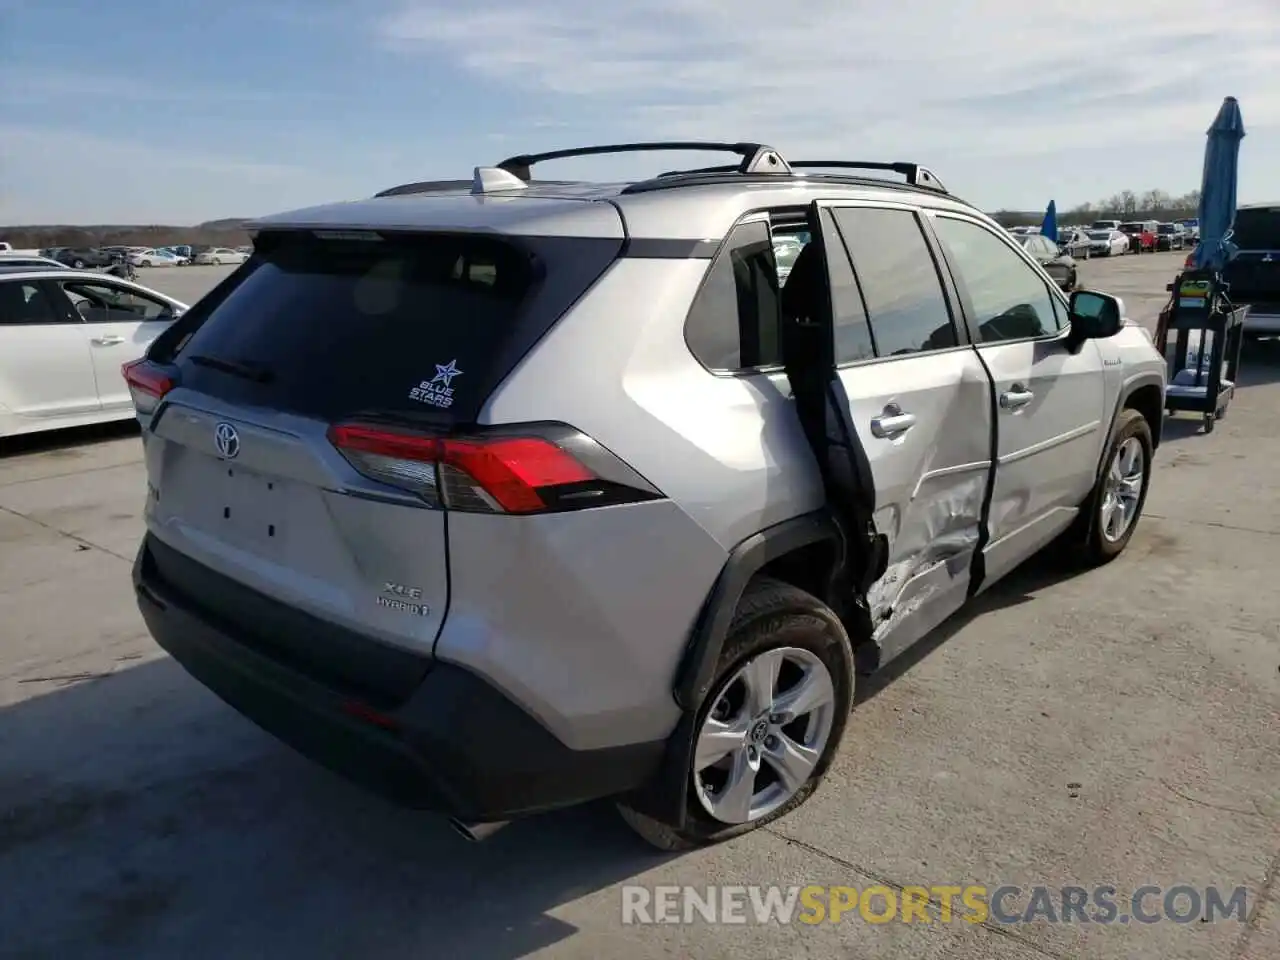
{"x":498,"y":507}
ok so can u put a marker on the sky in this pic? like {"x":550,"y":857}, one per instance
{"x":124,"y":111}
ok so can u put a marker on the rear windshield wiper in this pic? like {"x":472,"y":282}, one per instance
{"x":248,"y":371}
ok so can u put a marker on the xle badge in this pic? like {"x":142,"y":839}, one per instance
{"x":398,"y":597}
{"x":438,"y":391}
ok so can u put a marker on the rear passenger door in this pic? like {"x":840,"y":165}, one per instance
{"x":1050,"y":400}
{"x":921,"y":403}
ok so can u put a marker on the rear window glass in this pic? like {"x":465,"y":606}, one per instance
{"x":1257,"y":229}
{"x":330,"y":328}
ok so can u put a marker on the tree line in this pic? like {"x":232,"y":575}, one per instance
{"x":1125,"y":205}
{"x":216,"y":234}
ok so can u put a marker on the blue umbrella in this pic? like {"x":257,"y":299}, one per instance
{"x":1218,"y":187}
{"x":1050,"y":226}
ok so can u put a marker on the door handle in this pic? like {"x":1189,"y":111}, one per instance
{"x":110,"y":340}
{"x":892,"y":424}
{"x":1015,"y":397}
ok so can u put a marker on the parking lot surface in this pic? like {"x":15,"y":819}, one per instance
{"x":1116,"y":727}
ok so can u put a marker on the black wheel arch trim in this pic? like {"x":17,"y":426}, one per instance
{"x":664,"y":795}
{"x":1127,"y":390}
{"x":698,"y":666}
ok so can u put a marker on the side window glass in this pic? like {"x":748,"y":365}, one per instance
{"x":735,"y":318}
{"x":852,"y":332}
{"x":104,"y":303}
{"x":899,"y":280}
{"x":1010,"y":300}
{"x":22,"y":304}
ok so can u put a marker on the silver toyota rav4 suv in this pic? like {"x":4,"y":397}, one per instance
{"x":502,"y":495}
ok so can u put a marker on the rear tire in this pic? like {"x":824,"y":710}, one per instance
{"x":781,"y":632}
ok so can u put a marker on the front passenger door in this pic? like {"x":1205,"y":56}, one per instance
{"x":1050,"y":400}
{"x":45,"y":369}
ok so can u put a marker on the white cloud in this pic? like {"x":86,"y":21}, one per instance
{"x":949,"y":84}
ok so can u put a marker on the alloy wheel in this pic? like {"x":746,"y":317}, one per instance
{"x":764,"y":735}
{"x":1122,"y":490}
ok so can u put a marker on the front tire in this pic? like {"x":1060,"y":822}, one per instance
{"x":768,"y":730}
{"x":78,"y":264}
{"x":1113,"y":509}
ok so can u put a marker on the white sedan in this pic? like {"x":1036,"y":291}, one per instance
{"x":220,"y":255}
{"x":12,"y":261}
{"x":64,"y":335}
{"x":152,"y":257}
{"x":1107,"y":243}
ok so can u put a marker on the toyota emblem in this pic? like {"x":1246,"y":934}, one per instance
{"x":226,"y":440}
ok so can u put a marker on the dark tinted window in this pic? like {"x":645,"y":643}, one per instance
{"x":1257,"y":229}
{"x":26,"y":303}
{"x":898,"y":279}
{"x":1010,"y":300}
{"x":734,"y":321}
{"x":329,"y":328}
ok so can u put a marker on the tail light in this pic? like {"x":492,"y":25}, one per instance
{"x":147,"y":384}
{"x":499,"y":474}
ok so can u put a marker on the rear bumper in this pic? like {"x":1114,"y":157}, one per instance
{"x":456,"y":745}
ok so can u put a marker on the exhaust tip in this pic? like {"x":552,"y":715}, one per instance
{"x":476,"y":832}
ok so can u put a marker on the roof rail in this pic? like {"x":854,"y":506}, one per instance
{"x":424,"y":186}
{"x":756,"y":157}
{"x":916,"y":175}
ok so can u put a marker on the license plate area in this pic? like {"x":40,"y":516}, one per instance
{"x":250,"y":509}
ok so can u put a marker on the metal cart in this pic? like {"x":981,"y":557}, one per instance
{"x":1207,"y":383}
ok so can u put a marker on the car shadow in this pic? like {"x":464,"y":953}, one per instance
{"x":140,"y":817}
{"x":66,"y":441}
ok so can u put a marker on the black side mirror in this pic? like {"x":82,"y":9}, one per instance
{"x":1095,"y":316}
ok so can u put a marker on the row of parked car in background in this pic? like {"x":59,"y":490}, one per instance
{"x":89,"y":258}
{"x":1102,"y":238}
{"x":1106,"y":238}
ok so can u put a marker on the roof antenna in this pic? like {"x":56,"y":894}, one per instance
{"x":495,"y":180}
